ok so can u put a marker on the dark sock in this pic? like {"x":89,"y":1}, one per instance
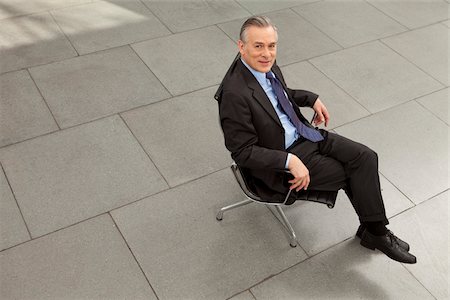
{"x":376,"y":228}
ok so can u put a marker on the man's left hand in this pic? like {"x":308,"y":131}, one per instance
{"x":322,"y":114}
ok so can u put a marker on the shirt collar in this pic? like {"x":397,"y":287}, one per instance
{"x":260,"y":77}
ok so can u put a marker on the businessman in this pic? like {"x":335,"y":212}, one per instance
{"x":265,"y":132}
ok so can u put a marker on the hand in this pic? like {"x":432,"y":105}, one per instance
{"x":322,"y":113}
{"x":300,"y":172}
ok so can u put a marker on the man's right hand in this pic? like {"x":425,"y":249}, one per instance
{"x":300,"y":172}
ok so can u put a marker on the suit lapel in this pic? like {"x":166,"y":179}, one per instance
{"x":258,"y":93}
{"x":277,"y":72}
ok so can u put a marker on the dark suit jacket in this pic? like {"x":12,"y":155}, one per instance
{"x":253,"y":132}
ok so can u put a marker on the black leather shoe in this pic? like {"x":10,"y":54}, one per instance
{"x":402,"y":244}
{"x":388,"y":245}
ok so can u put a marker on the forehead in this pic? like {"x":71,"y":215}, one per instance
{"x":265,"y":35}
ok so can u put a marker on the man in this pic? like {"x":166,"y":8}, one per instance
{"x":265,"y":132}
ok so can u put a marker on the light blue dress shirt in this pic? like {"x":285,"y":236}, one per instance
{"x":290,"y":132}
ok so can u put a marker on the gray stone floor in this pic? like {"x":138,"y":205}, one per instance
{"x":113,"y":164}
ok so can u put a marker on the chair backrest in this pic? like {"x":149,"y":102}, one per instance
{"x":242,"y":180}
{"x":218,"y":94}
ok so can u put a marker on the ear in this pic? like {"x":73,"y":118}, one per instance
{"x":240,"y":46}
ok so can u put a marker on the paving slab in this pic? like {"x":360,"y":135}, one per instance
{"x":13,"y":8}
{"x":74,"y":174}
{"x":30,"y":41}
{"x":376,"y":76}
{"x":297,"y":39}
{"x":87,"y":261}
{"x":192,"y":14}
{"x":182,"y":135}
{"x":347,"y":271}
{"x":23,"y":112}
{"x":415,"y":13}
{"x":410,"y":144}
{"x":427,"y":48}
{"x":425,"y":227}
{"x":437,"y":103}
{"x":12,"y":227}
{"x":189,"y":61}
{"x":88,"y":87}
{"x":342,"y":108}
{"x":319,"y":227}
{"x":350,"y":22}
{"x":262,"y":6}
{"x":193,"y":256}
{"x":107,"y":24}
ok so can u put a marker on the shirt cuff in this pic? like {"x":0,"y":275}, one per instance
{"x":287,"y":161}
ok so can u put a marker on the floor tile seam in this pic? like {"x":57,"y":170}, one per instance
{"x":84,"y":54}
{"x":238,"y":293}
{"x":64,"y":33}
{"x":418,"y":281}
{"x":52,"y":232}
{"x":316,"y":27}
{"x":432,"y":197}
{"x":413,"y":100}
{"x":217,"y":25}
{"x":171,"y":98}
{"x":17,"y":202}
{"x":46,"y":10}
{"x":340,"y":88}
{"x":162,"y":191}
{"x":387,"y":15}
{"x":44,"y":100}
{"x":145,"y":151}
{"x":433,"y":113}
{"x":414,"y":64}
{"x":148,"y":8}
{"x":283,"y":226}
{"x":417,"y":206}
{"x":397,"y":188}
{"x":134,"y":256}
{"x":242,"y":7}
{"x":251,"y":293}
{"x":307,"y":259}
{"x":148,"y":67}
{"x":105,"y":116}
{"x":91,"y":217}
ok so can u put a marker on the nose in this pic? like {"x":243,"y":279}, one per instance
{"x":266,"y":53}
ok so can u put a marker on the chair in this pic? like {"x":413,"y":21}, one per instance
{"x":325,"y":197}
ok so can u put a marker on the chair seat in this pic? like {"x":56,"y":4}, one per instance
{"x":325,"y":197}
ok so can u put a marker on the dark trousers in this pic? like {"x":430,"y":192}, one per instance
{"x":340,"y":163}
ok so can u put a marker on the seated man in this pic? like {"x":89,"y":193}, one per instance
{"x":265,"y":132}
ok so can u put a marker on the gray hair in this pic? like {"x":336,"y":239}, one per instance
{"x":258,"y":21}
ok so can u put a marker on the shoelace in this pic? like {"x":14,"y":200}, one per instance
{"x":393,"y":238}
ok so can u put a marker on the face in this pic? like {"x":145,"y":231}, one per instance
{"x":260,"y":49}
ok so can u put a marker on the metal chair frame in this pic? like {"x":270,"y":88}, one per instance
{"x":251,"y":197}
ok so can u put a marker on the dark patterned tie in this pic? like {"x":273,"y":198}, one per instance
{"x":305,"y":131}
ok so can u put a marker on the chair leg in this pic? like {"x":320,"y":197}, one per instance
{"x":288,"y":227}
{"x":219,"y":215}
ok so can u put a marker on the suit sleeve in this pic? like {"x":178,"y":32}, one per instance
{"x":241,"y":138}
{"x":303,"y":98}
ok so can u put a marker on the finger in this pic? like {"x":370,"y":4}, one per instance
{"x":327,"y":117}
{"x":301,"y":186}
{"x":307,"y":181}
{"x":319,"y":118}
{"x":295,"y":183}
